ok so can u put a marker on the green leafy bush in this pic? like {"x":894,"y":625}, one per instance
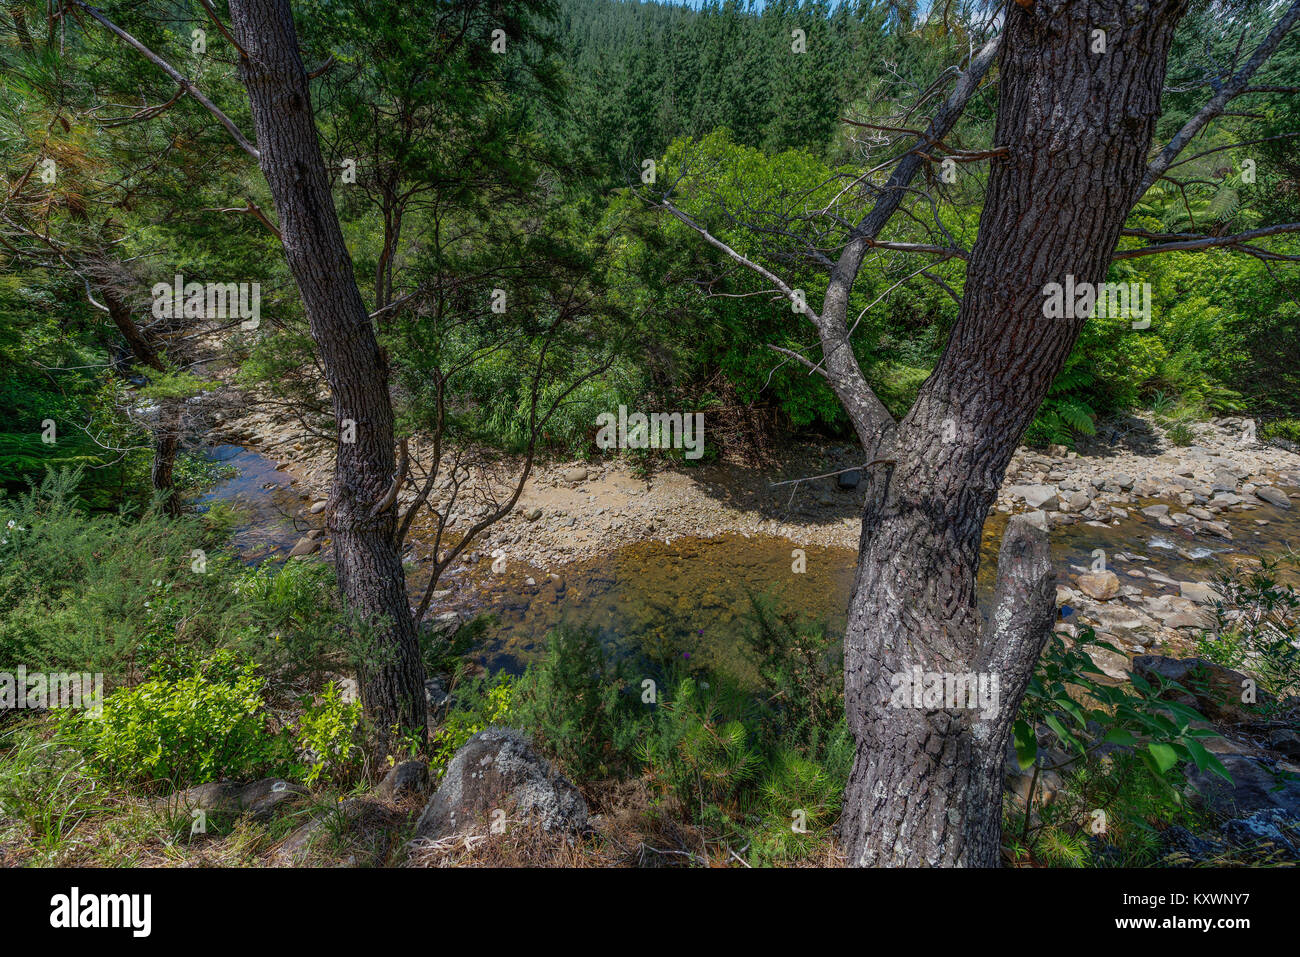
{"x":203,"y":727}
{"x":480,"y":703}
{"x":1113,"y":798}
{"x":1288,"y":429}
{"x":329,"y":736}
{"x":574,"y":703}
{"x":1257,"y":627}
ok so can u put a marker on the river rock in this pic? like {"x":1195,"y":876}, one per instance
{"x":1078,"y":501}
{"x":1286,"y":742}
{"x":1255,"y":787}
{"x":1037,"y":496}
{"x":497,"y":769}
{"x":575,"y":475}
{"x":1156,"y":511}
{"x":1112,"y":663}
{"x":445,"y":624}
{"x":1201,"y":592}
{"x":1102,"y":586}
{"x":409,"y":777}
{"x":306,"y":546}
{"x":1274,"y":496}
{"x":231,"y":797}
{"x":1037,"y":518}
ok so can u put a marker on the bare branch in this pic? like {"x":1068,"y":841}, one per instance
{"x":1235,"y":86}
{"x":176,"y":75}
{"x":1181,"y":243}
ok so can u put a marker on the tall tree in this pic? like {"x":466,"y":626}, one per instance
{"x":363,"y":504}
{"x":1078,"y":98}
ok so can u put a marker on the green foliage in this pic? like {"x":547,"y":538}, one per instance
{"x":329,"y":735}
{"x":1257,"y":626}
{"x":802,"y":670}
{"x":1119,"y":749}
{"x":1288,"y":429}
{"x":577,"y":705}
{"x":1181,"y":434}
{"x":698,"y":751}
{"x":202,"y":727}
{"x":125,"y":594}
{"x":479,"y":704}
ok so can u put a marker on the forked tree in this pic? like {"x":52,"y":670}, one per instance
{"x":1071,"y":158}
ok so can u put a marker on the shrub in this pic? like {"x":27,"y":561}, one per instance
{"x":801,"y":665}
{"x":1133,"y":788}
{"x":573,"y":702}
{"x":1288,"y":429}
{"x":205,"y":726}
{"x":329,"y":736}
{"x":1180,"y":434}
{"x":1257,"y":626}
{"x":480,"y":703}
{"x":698,"y":752}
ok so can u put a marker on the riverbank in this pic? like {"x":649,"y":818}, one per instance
{"x":574,"y":510}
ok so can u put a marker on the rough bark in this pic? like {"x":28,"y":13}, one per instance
{"x":362,"y":515}
{"x":925,"y":788}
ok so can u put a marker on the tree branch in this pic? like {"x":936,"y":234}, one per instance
{"x":1235,"y":86}
{"x":176,"y":75}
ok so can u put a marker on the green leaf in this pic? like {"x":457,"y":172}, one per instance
{"x":1026,"y":741}
{"x":1164,"y":756}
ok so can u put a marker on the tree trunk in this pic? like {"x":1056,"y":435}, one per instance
{"x":926,"y":785}
{"x":361,"y":511}
{"x":167,"y":433}
{"x":166,"y":442}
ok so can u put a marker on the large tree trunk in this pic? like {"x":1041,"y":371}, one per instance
{"x":926,"y":785}
{"x":362,"y":510}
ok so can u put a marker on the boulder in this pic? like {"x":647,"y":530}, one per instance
{"x":1038,"y":496}
{"x":1101,"y":586}
{"x":1286,"y":742}
{"x":445,"y":624}
{"x":1112,"y":663}
{"x":409,"y":777}
{"x":849,"y":480}
{"x":1255,"y":787}
{"x":306,"y":546}
{"x":1078,"y":501}
{"x":231,"y":797}
{"x":1274,"y":496}
{"x":1037,"y":518}
{"x":1201,"y":592}
{"x":497,"y":769}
